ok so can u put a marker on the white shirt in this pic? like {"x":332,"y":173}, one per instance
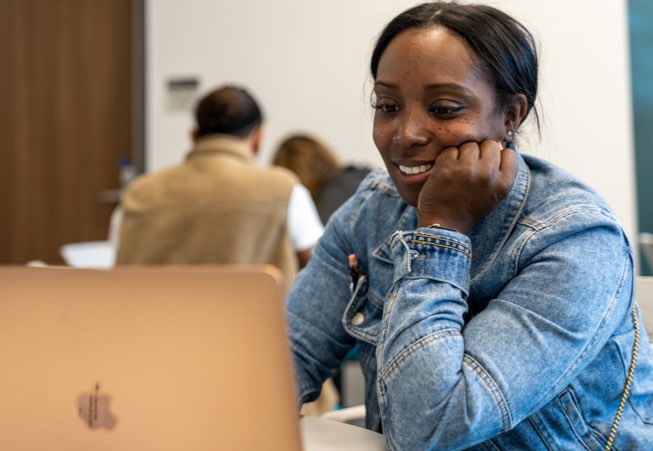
{"x":304,"y":225}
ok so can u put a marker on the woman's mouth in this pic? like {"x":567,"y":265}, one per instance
{"x":413,"y":170}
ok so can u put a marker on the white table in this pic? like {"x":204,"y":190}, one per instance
{"x":320,"y":434}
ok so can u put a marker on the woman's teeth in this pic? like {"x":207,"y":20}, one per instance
{"x":412,"y":170}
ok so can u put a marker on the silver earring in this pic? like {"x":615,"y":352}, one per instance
{"x":509,"y":133}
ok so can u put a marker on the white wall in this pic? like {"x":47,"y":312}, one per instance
{"x":307,"y":63}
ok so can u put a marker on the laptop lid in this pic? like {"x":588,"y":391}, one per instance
{"x":160,"y":358}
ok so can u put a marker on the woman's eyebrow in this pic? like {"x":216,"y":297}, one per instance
{"x":385,"y":84}
{"x":450,"y":86}
{"x":429,"y":87}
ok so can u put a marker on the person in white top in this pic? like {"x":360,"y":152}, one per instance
{"x":304,"y":223}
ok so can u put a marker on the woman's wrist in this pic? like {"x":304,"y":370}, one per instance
{"x":430,"y":220}
{"x":437,"y":225}
{"x":440,"y":223}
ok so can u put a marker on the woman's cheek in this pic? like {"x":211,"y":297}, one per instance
{"x":378,"y":138}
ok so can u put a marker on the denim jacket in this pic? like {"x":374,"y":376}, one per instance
{"x":516,"y":337}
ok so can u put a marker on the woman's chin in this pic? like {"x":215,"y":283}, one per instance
{"x":410,"y":194}
{"x":410,"y":185}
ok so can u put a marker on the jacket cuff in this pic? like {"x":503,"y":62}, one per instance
{"x":438,"y":254}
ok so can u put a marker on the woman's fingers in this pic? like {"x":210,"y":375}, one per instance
{"x":468,"y":182}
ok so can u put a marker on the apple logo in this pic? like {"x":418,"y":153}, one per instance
{"x":93,"y":409}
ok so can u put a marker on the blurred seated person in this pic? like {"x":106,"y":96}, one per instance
{"x":219,"y":206}
{"x":329,"y":182}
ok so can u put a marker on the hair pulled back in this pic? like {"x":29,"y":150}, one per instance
{"x":504,"y":47}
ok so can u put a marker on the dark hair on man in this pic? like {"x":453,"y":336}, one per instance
{"x":505,"y":48}
{"x":229,"y":110}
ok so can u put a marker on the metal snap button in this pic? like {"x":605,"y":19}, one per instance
{"x":358,"y":319}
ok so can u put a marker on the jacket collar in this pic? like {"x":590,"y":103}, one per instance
{"x":492,"y":232}
{"x":224,"y":144}
{"x":489,"y":235}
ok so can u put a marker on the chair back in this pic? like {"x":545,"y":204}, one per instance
{"x":646,"y":245}
{"x":644,"y":296}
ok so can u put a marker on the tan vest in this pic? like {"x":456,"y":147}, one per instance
{"x":216,"y":207}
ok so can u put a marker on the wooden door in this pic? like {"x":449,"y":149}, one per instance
{"x":65,"y":120}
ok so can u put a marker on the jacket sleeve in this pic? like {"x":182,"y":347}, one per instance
{"x":314,"y":308}
{"x":446,"y":385}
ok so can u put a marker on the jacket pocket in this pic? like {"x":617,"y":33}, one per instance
{"x":362,"y":318}
{"x":641,"y":390}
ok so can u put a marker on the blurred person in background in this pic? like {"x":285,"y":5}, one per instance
{"x":219,"y":206}
{"x":329,"y":181}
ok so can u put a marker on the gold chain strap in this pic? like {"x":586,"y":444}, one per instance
{"x":629,"y":381}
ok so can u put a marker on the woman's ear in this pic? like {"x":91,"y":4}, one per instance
{"x":515,"y":114}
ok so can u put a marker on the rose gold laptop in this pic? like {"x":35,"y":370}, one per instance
{"x":145,"y":359}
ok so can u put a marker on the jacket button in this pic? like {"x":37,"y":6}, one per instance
{"x":358,"y":319}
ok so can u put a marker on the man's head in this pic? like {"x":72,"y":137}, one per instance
{"x":228,"y":110}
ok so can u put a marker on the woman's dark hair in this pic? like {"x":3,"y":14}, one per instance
{"x":505,"y":48}
{"x":229,"y":110}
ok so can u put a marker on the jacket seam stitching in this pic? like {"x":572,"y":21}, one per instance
{"x":570,"y":421}
{"x":537,"y":226}
{"x":575,"y":363}
{"x":492,"y":387}
{"x":444,"y":246}
{"x":415,"y":346}
{"x":441,"y":238}
{"x":484,"y":376}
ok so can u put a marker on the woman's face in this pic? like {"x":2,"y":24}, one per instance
{"x":429,"y":95}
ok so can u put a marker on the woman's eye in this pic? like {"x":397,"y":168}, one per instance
{"x":445,"y":110}
{"x":386,"y":107}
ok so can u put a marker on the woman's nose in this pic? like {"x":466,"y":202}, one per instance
{"x":411,"y":131}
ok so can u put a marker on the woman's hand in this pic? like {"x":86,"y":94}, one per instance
{"x":466,"y":184}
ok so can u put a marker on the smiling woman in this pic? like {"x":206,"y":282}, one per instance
{"x":431,"y":98}
{"x":483,"y":308}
